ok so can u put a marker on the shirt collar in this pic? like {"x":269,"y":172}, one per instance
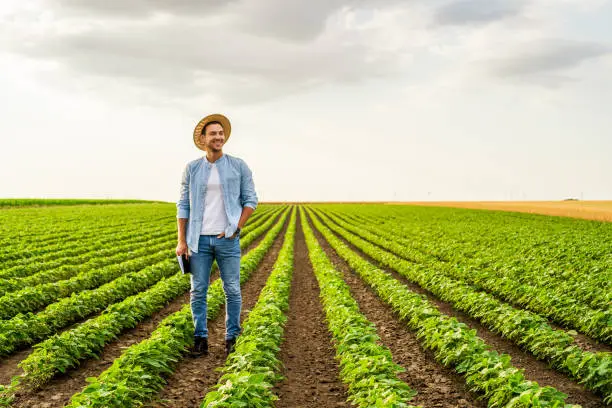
{"x":205,"y":159}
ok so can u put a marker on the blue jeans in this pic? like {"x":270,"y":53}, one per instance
{"x":227,"y":254}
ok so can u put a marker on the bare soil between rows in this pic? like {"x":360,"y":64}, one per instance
{"x":308,"y":357}
{"x":436,"y":385}
{"x":534,"y":369}
{"x":580,"y":339}
{"x":307,"y":354}
{"x":8,"y":365}
{"x":194,"y":377}
{"x":60,"y":389}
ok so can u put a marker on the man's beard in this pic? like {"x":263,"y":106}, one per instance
{"x":212,"y":147}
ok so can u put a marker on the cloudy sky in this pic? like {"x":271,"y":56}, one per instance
{"x":329,"y":99}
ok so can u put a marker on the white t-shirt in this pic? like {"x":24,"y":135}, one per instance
{"x":214,"y":220}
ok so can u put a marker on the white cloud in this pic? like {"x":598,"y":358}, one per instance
{"x":184,"y":56}
{"x":136,"y":8}
{"x":466,"y":12}
{"x":552,"y":55}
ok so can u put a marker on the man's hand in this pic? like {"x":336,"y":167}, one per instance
{"x":221,"y":235}
{"x":181,"y":249}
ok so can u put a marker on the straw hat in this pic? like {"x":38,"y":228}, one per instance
{"x":215,"y":117}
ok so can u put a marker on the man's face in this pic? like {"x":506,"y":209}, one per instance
{"x":214,"y":138}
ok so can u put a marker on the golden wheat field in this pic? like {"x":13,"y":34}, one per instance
{"x":590,"y":210}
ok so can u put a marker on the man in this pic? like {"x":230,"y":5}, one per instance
{"x":217,"y":197}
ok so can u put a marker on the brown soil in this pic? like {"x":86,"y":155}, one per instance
{"x":534,"y":369}
{"x":583,"y":341}
{"x":254,"y":244}
{"x":310,"y":368}
{"x":307,"y":354}
{"x":436,"y":385}
{"x":8,"y":365}
{"x":59,"y":391}
{"x":194,"y":377}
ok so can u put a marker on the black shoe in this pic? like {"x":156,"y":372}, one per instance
{"x":200,"y":346}
{"x":230,"y":345}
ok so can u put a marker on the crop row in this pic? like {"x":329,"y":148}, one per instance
{"x":524,"y":328}
{"x":66,"y":350}
{"x":574,"y":270}
{"x":66,"y":217}
{"x":59,"y":257}
{"x":14,"y":274}
{"x":365,"y":366}
{"x":26,"y":329}
{"x":585,"y":275}
{"x":560,"y":245}
{"x":13,"y":245}
{"x":81,"y":251}
{"x":561,"y":307}
{"x":69,"y":267}
{"x":141,"y":369}
{"x":23,"y":330}
{"x":28,"y":227}
{"x":53,"y":231}
{"x":253,"y":231}
{"x":95,"y":232}
{"x":19,"y":202}
{"x":19,"y":250}
{"x":36,"y":297}
{"x":252,"y":369}
{"x":256,"y":221}
{"x":452,"y":342}
{"x":14,"y":236}
{"x":541,"y":244}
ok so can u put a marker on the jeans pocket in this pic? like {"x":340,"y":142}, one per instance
{"x":229,"y":246}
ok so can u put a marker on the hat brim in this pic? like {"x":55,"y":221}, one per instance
{"x":215,"y":117}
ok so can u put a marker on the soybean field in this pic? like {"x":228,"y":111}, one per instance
{"x":344,"y":305}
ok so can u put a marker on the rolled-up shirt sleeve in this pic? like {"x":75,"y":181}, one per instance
{"x":182,"y":205}
{"x":248,"y":196}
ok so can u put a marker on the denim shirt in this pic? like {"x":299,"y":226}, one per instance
{"x":238,"y":192}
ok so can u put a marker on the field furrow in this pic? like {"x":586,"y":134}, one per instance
{"x":496,"y":336}
{"x":369,"y":305}
{"x":366,"y":366}
{"x":311,"y":375}
{"x":556,"y":306}
{"x":102,"y":338}
{"x":142,"y":369}
{"x":452,"y":342}
{"x":183,"y":388}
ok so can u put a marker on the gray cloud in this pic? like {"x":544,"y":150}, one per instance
{"x":289,"y":20}
{"x":546,"y":57}
{"x":187,"y":57}
{"x":250,"y":50}
{"x":296,"y":20}
{"x":465,"y":12}
{"x":137,"y":8}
